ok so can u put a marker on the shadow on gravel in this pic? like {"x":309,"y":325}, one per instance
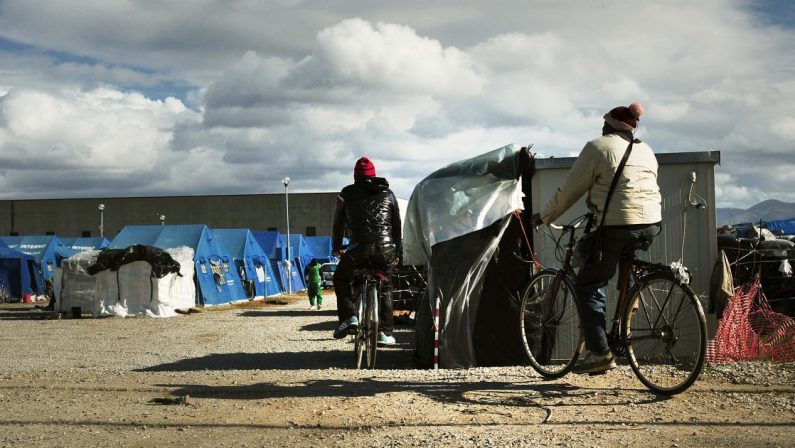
{"x":327,"y":326}
{"x":289,"y":313}
{"x":396,"y":357}
{"x":539,"y":394}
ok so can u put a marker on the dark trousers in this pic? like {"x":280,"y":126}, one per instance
{"x":593,"y":276}
{"x":378,"y":256}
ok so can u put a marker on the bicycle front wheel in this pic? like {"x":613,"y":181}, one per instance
{"x":549,"y":324}
{"x":371,"y":328}
{"x":666,"y":333}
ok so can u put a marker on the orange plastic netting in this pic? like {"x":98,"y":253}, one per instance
{"x":750,"y":330}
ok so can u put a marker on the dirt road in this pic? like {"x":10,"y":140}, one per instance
{"x":273,"y":376}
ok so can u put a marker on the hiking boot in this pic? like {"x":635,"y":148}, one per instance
{"x":595,"y":363}
{"x":348,"y":326}
{"x":312,"y":308}
{"x":383,"y":339}
{"x":318,"y":306}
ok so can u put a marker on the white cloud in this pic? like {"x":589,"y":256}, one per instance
{"x":784,"y":127}
{"x":59,"y":137}
{"x":280,"y":88}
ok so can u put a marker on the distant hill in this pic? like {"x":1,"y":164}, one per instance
{"x":766,"y":211}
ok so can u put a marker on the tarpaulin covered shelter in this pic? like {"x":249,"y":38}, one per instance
{"x":48,"y":250}
{"x":275,"y":246}
{"x":218,"y":279}
{"x":251,"y":260}
{"x":321,"y":248}
{"x":138,"y":280}
{"x":460,"y":224}
{"x":90,"y":243}
{"x":20,"y":273}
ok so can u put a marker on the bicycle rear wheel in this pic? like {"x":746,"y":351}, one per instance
{"x":549,"y":324}
{"x":666,"y":333}
{"x":371,"y":327}
{"x":360,"y":336}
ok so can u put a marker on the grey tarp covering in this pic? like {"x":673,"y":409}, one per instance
{"x":455,"y":221}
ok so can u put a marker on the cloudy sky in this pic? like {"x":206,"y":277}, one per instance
{"x":156,"y":97}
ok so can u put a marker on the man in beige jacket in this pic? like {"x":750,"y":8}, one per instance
{"x":634,"y":214}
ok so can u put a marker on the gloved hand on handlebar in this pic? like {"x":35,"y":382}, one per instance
{"x":535,"y":220}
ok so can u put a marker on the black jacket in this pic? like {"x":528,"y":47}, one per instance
{"x":369,"y":211}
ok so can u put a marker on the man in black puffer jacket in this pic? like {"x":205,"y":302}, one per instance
{"x":369,"y":211}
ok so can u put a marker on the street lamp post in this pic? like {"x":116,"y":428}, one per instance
{"x":289,"y":263}
{"x":101,"y":208}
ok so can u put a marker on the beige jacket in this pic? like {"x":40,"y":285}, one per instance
{"x":636,"y":199}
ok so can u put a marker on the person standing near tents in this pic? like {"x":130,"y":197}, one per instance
{"x":633,"y":214}
{"x":369,"y":211}
{"x":314,"y":284}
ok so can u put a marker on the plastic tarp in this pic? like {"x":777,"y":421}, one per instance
{"x":131,"y":290}
{"x":459,"y":223}
{"x":20,"y":272}
{"x":218,"y":278}
{"x":251,"y":260}
{"x":89,"y":243}
{"x":782,"y":226}
{"x":48,"y":250}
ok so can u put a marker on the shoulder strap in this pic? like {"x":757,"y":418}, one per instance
{"x":615,"y":179}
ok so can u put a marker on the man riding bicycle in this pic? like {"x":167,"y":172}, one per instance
{"x":369,"y":211}
{"x":634,"y":214}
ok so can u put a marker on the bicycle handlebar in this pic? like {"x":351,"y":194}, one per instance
{"x":579,"y":223}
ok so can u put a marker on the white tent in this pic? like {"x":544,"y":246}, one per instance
{"x":130,"y":291}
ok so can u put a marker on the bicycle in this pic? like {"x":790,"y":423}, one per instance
{"x":366,"y":336}
{"x":658,"y":325}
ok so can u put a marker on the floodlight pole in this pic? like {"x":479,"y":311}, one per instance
{"x":289,"y":263}
{"x":101,"y":208}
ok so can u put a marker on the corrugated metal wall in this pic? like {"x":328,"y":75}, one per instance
{"x":688,"y":233}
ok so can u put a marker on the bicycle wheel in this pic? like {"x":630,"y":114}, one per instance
{"x":360,"y":336}
{"x":549,"y":324}
{"x":372,"y":325}
{"x":666,"y":333}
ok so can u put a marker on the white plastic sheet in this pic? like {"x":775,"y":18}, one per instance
{"x":460,"y":198}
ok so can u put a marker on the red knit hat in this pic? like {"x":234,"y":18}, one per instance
{"x":624,"y":118}
{"x":364,"y":168}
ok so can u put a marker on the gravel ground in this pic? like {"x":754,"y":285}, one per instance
{"x":271,"y":375}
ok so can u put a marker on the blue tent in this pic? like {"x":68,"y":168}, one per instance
{"x":20,"y":273}
{"x":217,"y":279}
{"x":272,"y":243}
{"x":321,"y":248}
{"x":301,"y":252}
{"x":251,"y":260}
{"x":48,"y":250}
{"x":275,"y":246}
{"x":82,"y":244}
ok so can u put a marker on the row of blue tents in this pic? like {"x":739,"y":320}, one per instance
{"x":230,"y":264}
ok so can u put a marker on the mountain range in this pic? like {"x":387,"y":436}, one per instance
{"x":766,"y":211}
